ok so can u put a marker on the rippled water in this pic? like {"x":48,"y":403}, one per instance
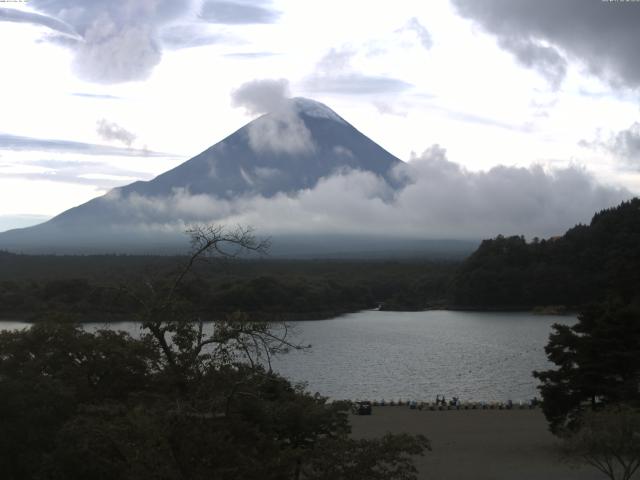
{"x":480,"y":356}
{"x":390,"y":355}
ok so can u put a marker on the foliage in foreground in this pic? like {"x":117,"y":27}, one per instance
{"x":598,"y":364}
{"x":77,"y":405}
{"x":180,"y":402}
{"x":608,"y":440}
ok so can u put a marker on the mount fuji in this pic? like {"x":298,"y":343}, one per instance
{"x":282,"y":152}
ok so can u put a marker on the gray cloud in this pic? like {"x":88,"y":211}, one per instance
{"x":251,"y":55}
{"x":624,"y":144}
{"x":282,"y":130}
{"x":20,"y":16}
{"x":62,"y":177}
{"x":190,"y":36}
{"x":604,"y":35}
{"x":335,"y":61}
{"x":98,"y":174}
{"x":355,"y":84}
{"x":113,"y":41}
{"x":238,"y":12}
{"x":334,"y":74}
{"x":441,"y":200}
{"x":113,"y":54}
{"x":421,"y":31}
{"x":261,"y":96}
{"x":547,"y":60}
{"x":469,"y":117}
{"x":96,"y":96}
{"x":15,"y":142}
{"x":389,"y":109}
{"x":60,"y":40}
{"x":112,"y":131}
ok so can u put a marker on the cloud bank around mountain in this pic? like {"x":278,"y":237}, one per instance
{"x":442,"y":200}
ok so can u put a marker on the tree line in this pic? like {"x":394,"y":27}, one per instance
{"x":289,"y":289}
{"x":588,"y":263}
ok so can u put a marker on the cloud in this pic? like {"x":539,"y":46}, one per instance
{"x":113,"y":54}
{"x":112,"y":131}
{"x":238,"y":12}
{"x":334,"y":74}
{"x":441,"y":200}
{"x":15,"y":142}
{"x":261,"y":96}
{"x":281,"y":130}
{"x":356,"y":84}
{"x":20,"y":16}
{"x":386,"y":108}
{"x":420,"y":30}
{"x":603,"y":35}
{"x":251,"y":55}
{"x":114,"y":41}
{"x":549,"y":63}
{"x":624,"y":144}
{"x":190,"y":36}
{"x":98,"y":174}
{"x":96,"y":96}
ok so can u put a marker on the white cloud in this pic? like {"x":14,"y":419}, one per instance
{"x":112,"y":131}
{"x":112,"y":42}
{"x":261,"y":96}
{"x":442,"y":200}
{"x":281,"y":130}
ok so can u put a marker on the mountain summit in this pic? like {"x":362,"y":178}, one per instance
{"x":282,"y":152}
{"x":287,"y":150}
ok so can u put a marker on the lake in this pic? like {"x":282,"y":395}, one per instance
{"x":478,"y":356}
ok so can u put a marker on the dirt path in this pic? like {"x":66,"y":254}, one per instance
{"x":477,"y":444}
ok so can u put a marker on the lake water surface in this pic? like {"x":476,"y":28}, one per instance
{"x":479,"y":356}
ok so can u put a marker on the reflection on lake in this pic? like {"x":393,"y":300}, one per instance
{"x":389,"y":355}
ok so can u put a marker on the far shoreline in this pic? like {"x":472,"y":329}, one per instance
{"x":93,"y":318}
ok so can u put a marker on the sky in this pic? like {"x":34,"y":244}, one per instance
{"x":501,"y":97}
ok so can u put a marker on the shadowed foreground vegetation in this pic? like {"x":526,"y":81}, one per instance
{"x":184,"y":401}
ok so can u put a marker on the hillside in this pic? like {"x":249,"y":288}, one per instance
{"x":586,"y":264}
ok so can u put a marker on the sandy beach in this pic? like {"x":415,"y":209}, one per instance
{"x":477,"y":444}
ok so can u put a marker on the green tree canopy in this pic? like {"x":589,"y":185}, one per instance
{"x":598,"y":363}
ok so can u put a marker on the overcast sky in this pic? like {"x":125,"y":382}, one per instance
{"x":99,"y":93}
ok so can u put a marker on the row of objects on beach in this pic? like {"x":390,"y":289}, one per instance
{"x":454,"y":404}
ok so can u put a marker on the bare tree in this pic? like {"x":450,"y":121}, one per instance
{"x":608,"y":440}
{"x":190,"y":345}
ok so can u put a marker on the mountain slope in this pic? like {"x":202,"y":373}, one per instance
{"x":281,"y":152}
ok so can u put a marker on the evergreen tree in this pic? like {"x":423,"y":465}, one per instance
{"x":598,"y":364}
